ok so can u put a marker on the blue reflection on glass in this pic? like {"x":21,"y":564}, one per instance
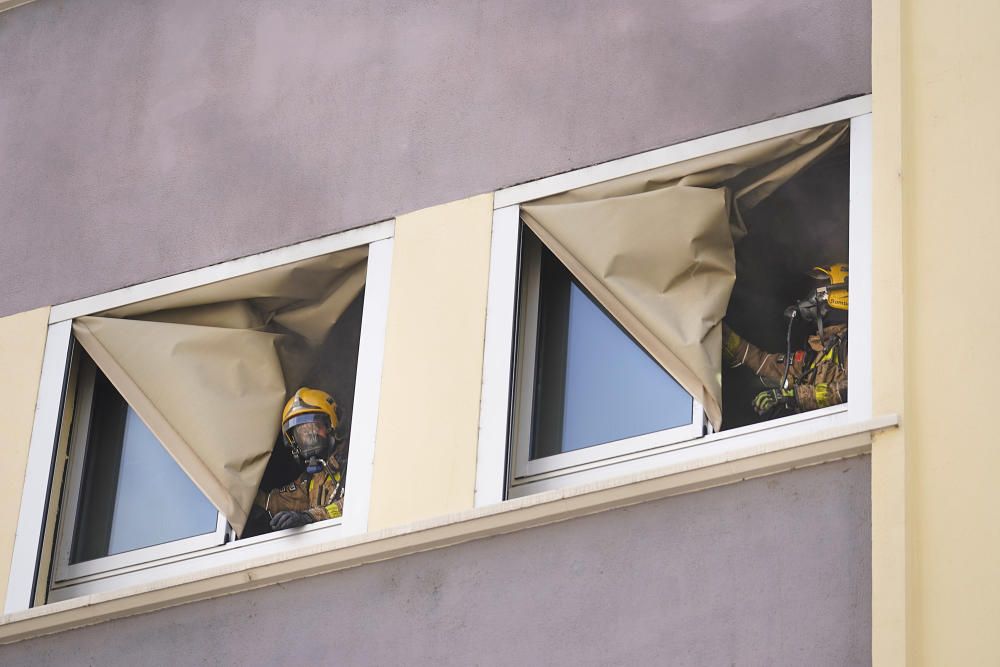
{"x":155,"y":501}
{"x":614,"y":389}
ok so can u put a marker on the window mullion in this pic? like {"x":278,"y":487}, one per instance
{"x":69,"y":507}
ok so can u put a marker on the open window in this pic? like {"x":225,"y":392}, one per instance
{"x":624,"y":274}
{"x":165,"y":423}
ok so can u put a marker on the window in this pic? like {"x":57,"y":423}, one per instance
{"x":150,"y":395}
{"x":588,"y":376}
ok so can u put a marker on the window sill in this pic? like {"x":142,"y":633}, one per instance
{"x":710,"y":468}
{"x":202,"y":560}
{"x":685,"y":455}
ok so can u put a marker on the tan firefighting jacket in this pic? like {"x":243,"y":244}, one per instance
{"x":819,"y":378}
{"x":320,"y":494}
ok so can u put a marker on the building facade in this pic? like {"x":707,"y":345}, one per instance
{"x":189,"y":186}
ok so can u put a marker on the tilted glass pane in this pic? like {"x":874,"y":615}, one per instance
{"x":132,"y":494}
{"x":155,"y":501}
{"x":594,"y":384}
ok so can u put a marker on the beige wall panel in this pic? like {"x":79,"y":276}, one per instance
{"x":889,"y":557}
{"x":22,"y":341}
{"x":425,"y":453}
{"x":951,"y":56}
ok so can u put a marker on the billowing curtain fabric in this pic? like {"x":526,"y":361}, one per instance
{"x":208,"y":369}
{"x":656,"y":249}
{"x":212,"y":410}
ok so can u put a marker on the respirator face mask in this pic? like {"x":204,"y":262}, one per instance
{"x":313,"y":442}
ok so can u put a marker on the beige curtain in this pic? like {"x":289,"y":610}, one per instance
{"x":656,"y":249}
{"x":208,"y":369}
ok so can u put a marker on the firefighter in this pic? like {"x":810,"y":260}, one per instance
{"x":806,"y":379}
{"x":309,"y":424}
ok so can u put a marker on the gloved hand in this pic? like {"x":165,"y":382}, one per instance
{"x":770,"y":399}
{"x":289,"y":519}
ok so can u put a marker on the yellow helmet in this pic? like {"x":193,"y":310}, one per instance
{"x":307,"y":405}
{"x":836,"y":289}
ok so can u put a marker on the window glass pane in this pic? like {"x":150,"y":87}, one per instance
{"x":155,"y":501}
{"x":594,"y":384}
{"x":133,"y":494}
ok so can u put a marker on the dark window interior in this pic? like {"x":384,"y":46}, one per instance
{"x":100,"y":475}
{"x":802,"y":225}
{"x":335,"y":374}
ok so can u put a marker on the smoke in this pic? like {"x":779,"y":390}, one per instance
{"x":802,"y":225}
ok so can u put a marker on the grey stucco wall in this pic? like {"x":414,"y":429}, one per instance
{"x":772,"y":571}
{"x":141,"y":138}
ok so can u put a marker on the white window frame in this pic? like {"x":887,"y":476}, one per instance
{"x":502,"y":471}
{"x":183,"y":557}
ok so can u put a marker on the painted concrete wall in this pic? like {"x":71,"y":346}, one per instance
{"x":22,"y":342}
{"x":425,"y":456}
{"x":951,"y":232}
{"x":773,"y":571}
{"x":144,"y":138}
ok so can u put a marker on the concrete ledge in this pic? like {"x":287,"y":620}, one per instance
{"x":510,"y":516}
